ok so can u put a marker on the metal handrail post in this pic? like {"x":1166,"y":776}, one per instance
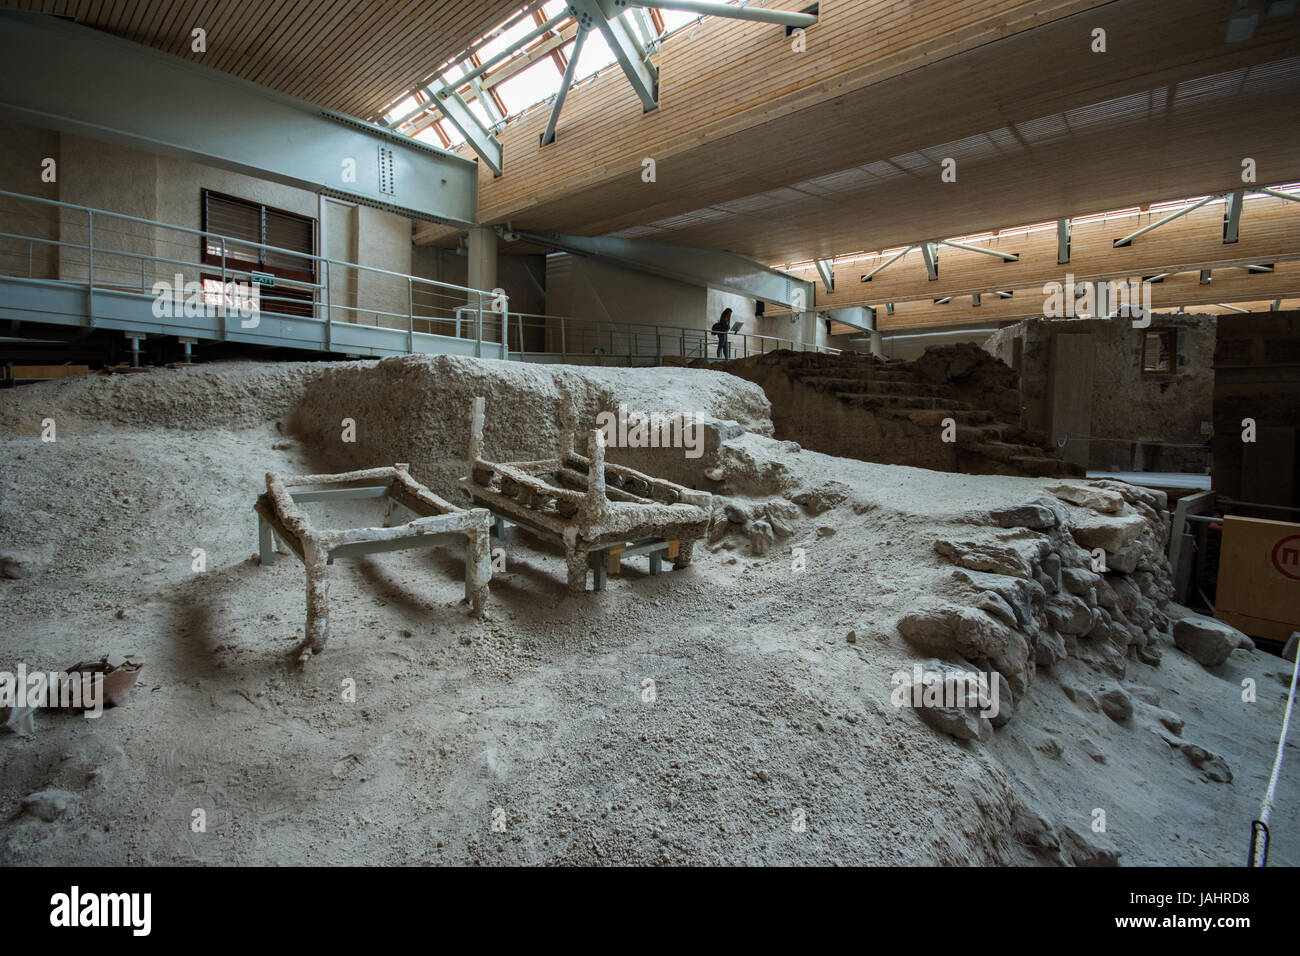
{"x":505,"y":329}
{"x":90,"y":266}
{"x":478,"y":332}
{"x":329,"y":310}
{"x":225,"y":316}
{"x":410,"y":315}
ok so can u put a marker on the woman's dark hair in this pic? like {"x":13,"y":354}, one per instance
{"x":726,"y":314}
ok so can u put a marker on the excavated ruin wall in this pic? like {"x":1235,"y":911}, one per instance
{"x":416,"y":409}
{"x":821,"y":422}
{"x":220,"y":395}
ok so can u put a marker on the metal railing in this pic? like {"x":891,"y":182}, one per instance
{"x":205,"y":274}
{"x":534,"y":337}
{"x":205,"y":285}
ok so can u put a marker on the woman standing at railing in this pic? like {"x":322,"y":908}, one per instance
{"x":721,"y":328}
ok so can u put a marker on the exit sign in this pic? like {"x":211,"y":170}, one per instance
{"x":263,"y":278}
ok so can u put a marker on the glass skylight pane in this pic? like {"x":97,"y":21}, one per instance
{"x":505,"y":39}
{"x":532,"y":85}
{"x":453,"y":134}
{"x":402,"y":108}
{"x":596,"y":55}
{"x":676,"y":18}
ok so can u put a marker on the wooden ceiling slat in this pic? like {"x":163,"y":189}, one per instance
{"x":354,"y":56}
{"x":1183,"y":290}
{"x":375,"y":78}
{"x":1270,"y":230}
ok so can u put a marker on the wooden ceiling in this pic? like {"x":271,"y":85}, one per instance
{"x":354,"y":56}
{"x":786,"y":159}
{"x":1182,"y":290}
{"x":1269,"y":232}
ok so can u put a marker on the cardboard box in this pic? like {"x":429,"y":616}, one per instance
{"x":1259,"y":577}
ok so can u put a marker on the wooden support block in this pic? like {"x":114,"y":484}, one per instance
{"x":613,"y":560}
{"x":673,"y":547}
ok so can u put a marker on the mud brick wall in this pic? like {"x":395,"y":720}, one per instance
{"x":1257,"y":375}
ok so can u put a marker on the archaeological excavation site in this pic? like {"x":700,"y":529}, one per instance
{"x":553,"y":434}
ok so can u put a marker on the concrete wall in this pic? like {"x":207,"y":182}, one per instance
{"x":587,"y":289}
{"x":138,"y":183}
{"x":1142,"y":417}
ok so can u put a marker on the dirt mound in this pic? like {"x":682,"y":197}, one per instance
{"x":417,"y":409}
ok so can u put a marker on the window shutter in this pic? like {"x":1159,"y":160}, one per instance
{"x":290,"y":232}
{"x":236,"y":221}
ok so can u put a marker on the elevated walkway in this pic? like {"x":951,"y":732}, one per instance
{"x":67,"y":265}
{"x":84,"y":269}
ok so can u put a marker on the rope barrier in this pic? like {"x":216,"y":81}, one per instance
{"x":1259,"y":835}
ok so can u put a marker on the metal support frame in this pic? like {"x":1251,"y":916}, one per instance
{"x":623,"y":42}
{"x":474,"y":72}
{"x":1278,"y":194}
{"x":888,"y":262}
{"x":1176,"y":214}
{"x":1232,"y":216}
{"x":1063,"y":242}
{"x":930,"y":253}
{"x":1206,"y":276}
{"x":975,"y":300}
{"x":826,"y":269}
{"x":1004,"y":256}
{"x":1264,"y":269}
{"x":451,"y":105}
{"x":1231,"y":308}
{"x":711,"y":8}
{"x":1275,"y":305}
{"x":570,"y":69}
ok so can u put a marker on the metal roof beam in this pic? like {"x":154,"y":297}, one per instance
{"x":930,"y":253}
{"x":826,"y":269}
{"x":1232,"y":216}
{"x":888,"y":262}
{"x":548,"y":136}
{"x":1004,"y":256}
{"x":1128,"y":240}
{"x":480,"y":138}
{"x":627,"y":48}
{"x":711,"y":8}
